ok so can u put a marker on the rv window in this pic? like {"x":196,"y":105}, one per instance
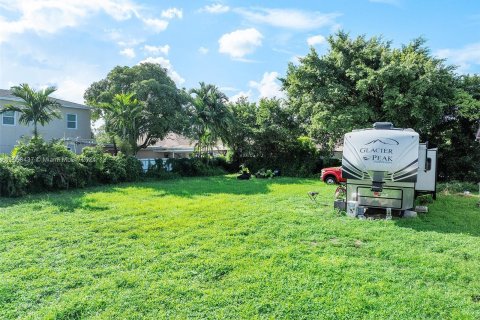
{"x":428,"y":166}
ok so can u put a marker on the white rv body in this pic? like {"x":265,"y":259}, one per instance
{"x":427,"y":172}
{"x":385,"y":167}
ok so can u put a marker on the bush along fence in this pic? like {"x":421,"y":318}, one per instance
{"x":37,"y":165}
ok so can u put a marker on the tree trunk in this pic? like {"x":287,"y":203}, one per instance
{"x":115,"y":149}
{"x":35,"y":130}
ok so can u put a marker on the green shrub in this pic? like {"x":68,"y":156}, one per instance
{"x":105,"y":168}
{"x":424,"y":199}
{"x":193,"y":167}
{"x":183,"y":167}
{"x":457,"y":187}
{"x":14,"y":179}
{"x":264,"y":174}
{"x":54,"y":166}
{"x":224,"y":163}
{"x":331,"y":162}
{"x":158,"y":171}
{"x":113,"y":169}
{"x":296,"y":158}
{"x":37,"y":165}
{"x":92,"y":159}
{"x":133,"y":168}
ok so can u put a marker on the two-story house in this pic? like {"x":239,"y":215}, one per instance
{"x":73,"y":127}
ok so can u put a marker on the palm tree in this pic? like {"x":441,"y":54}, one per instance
{"x":38,"y":108}
{"x":211,"y":116}
{"x":123,"y":117}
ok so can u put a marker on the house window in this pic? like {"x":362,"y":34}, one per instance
{"x":8,"y":118}
{"x":71,"y":121}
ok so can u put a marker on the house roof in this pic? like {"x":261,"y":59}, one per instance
{"x":7,"y":95}
{"x":173,"y":141}
{"x":177,"y":142}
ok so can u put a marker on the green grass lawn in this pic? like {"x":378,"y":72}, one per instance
{"x":221,"y":248}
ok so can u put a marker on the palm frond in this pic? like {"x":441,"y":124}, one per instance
{"x":38,"y":107}
{"x":10,"y":107}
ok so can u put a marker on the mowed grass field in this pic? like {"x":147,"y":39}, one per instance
{"x":218,"y":248}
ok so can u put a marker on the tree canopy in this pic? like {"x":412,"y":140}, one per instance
{"x":210,"y":118}
{"x":162,"y":103}
{"x":360,"y":81}
{"x":267,"y":135}
{"x":123,"y":118}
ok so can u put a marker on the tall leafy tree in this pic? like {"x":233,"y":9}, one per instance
{"x":123,"y":118}
{"x":459,"y":152}
{"x":211,"y":118}
{"x":267,"y":135}
{"x":241,"y":136}
{"x":360,"y":81}
{"x":162,"y":103}
{"x":37,"y":107}
{"x":275,"y":129}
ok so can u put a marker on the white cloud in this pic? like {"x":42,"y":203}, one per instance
{"x":216,"y":8}
{"x":246,"y":94}
{"x":118,"y":9}
{"x":172,"y":13}
{"x":314,"y":40}
{"x":71,"y":77}
{"x":239,"y":43}
{"x":203,"y":50}
{"x":463,"y":57}
{"x":129,"y":42}
{"x":165,"y":63}
{"x":47,"y":17}
{"x":269,"y":86}
{"x":156,"y":50}
{"x":71,"y":90}
{"x":289,"y":18}
{"x":128,"y":52}
{"x":121,"y":38}
{"x":157,"y":25}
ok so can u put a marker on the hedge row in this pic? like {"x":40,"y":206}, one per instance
{"x":37,"y":165}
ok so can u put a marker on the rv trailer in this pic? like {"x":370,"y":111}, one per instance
{"x":386,"y":167}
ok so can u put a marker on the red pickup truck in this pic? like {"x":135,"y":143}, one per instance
{"x":332,"y":175}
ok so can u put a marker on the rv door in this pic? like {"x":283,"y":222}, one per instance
{"x":427,"y":169}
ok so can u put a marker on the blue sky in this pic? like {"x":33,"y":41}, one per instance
{"x":240,"y":46}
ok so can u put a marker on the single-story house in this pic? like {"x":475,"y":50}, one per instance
{"x":73,"y":127}
{"x":174,"y":146}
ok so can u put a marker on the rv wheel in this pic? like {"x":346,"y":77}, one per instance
{"x":330,"y":180}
